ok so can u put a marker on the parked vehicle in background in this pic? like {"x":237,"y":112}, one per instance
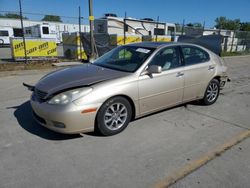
{"x":128,"y":82}
{"x":43,"y":31}
{"x":60,"y":27}
{"x":5,"y":34}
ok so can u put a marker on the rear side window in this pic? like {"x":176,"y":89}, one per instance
{"x":4,"y":33}
{"x":193,"y":55}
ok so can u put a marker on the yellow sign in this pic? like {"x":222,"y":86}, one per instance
{"x":129,"y":39}
{"x":34,"y":48}
{"x":162,"y":39}
{"x":91,"y":18}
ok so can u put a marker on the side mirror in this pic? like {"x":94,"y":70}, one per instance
{"x":154,"y":69}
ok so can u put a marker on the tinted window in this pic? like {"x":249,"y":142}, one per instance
{"x":167,"y":58}
{"x":4,"y":33}
{"x":45,"y":30}
{"x":194,"y":55}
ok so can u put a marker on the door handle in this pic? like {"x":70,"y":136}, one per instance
{"x":211,"y":67}
{"x":179,"y":74}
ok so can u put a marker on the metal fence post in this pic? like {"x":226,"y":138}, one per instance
{"x":24,"y":43}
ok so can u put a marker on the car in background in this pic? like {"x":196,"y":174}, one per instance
{"x":128,"y":82}
{"x":5,"y":34}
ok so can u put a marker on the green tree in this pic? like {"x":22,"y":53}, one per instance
{"x":224,"y":23}
{"x":245,"y":26}
{"x":220,"y":22}
{"x":52,"y":18}
{"x":12,"y":15}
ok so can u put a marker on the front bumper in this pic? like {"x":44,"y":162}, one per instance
{"x":67,"y":119}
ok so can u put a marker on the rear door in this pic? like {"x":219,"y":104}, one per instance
{"x":199,"y":70}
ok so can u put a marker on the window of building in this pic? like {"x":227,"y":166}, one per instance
{"x":4,"y":33}
{"x":45,"y":30}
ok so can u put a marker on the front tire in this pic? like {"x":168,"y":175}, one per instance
{"x":212,"y":92}
{"x":114,"y":116}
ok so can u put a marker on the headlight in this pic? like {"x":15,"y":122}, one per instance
{"x":69,"y":96}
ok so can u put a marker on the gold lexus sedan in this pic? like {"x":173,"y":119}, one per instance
{"x":128,"y":82}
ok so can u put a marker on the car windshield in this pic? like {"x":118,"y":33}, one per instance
{"x":124,"y":58}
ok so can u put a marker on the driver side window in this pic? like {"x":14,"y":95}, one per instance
{"x":167,"y":58}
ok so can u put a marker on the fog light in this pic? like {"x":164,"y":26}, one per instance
{"x":58,"y":125}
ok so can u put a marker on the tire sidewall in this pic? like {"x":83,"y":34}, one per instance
{"x":205,"y":101}
{"x":100,"y":116}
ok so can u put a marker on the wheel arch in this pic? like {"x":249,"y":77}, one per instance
{"x":217,"y":78}
{"x":129,"y":99}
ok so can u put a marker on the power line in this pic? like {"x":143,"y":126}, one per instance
{"x":40,"y":14}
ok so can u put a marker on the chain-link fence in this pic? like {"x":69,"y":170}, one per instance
{"x":232,"y":41}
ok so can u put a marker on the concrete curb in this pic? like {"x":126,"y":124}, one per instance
{"x":194,"y":165}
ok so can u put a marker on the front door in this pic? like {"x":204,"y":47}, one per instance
{"x":165,"y":89}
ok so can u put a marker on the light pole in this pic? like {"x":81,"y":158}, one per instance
{"x":24,"y":43}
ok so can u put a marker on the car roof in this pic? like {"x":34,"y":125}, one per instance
{"x":156,"y":44}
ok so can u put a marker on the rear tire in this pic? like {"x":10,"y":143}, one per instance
{"x":113,"y":116}
{"x":212,"y":92}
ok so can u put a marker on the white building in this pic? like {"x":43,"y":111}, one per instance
{"x":115,"y":25}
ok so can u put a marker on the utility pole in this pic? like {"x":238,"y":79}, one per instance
{"x":156,"y":37}
{"x":91,"y":24}
{"x":21,"y":18}
{"x":182,"y":29}
{"x":80,"y":31}
{"x":203,"y":27}
{"x":124,"y":28}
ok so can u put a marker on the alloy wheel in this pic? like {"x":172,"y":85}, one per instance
{"x":212,"y":92}
{"x":115,"y":116}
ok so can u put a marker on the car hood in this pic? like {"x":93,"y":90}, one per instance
{"x":84,"y":75}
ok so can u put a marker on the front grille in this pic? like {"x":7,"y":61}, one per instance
{"x":40,"y":95}
{"x":39,"y":119}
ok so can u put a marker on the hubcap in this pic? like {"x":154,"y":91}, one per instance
{"x":115,"y":116}
{"x":212,"y":92}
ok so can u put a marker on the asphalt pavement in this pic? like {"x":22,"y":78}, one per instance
{"x":231,"y":169}
{"x":149,"y":150}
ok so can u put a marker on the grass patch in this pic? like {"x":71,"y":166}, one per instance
{"x":224,"y":54}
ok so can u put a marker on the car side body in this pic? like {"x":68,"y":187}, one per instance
{"x":147,"y":90}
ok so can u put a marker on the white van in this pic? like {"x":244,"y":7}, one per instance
{"x":5,"y":34}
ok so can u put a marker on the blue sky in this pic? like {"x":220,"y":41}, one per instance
{"x":167,"y":10}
